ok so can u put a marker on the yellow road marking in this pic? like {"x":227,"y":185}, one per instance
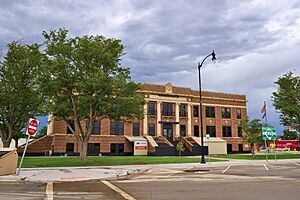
{"x":226,"y":169}
{"x":266,"y":167}
{"x":118,"y":190}
{"x":49,"y":190}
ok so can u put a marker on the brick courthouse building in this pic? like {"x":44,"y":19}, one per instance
{"x":171,"y":114}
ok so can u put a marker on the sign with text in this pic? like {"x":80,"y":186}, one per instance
{"x":268,"y":133}
{"x":32,"y":127}
{"x":140,"y":148}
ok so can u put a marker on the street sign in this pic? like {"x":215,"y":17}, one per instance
{"x":31,"y":131}
{"x":32,"y":127}
{"x":268,"y":133}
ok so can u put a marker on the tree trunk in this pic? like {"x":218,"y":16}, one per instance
{"x":16,"y":143}
{"x":83,"y":150}
{"x":6,"y":142}
{"x":253,"y":150}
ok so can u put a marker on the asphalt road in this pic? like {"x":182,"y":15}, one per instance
{"x":242,"y":182}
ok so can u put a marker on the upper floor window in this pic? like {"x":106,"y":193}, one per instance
{"x":226,"y":113}
{"x":226,"y":131}
{"x":210,"y":112}
{"x":211,"y":130}
{"x":136,"y":129}
{"x":167,"y":109}
{"x":182,"y":110}
{"x":151,"y":108}
{"x":117,"y":128}
{"x":238,"y":113}
{"x":196,"y":111}
{"x":71,"y":123}
{"x":97,"y":127}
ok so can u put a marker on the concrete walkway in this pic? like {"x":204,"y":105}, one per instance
{"x":65,"y":174}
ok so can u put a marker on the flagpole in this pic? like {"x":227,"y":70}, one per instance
{"x":266,"y":121}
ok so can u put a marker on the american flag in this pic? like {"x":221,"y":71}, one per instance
{"x":264,"y":110}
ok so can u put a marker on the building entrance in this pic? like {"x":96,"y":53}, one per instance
{"x":168,"y":131}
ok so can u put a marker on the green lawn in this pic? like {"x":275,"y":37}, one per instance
{"x":30,"y":162}
{"x":259,"y":156}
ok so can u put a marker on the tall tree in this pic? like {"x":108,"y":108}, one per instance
{"x":19,"y":98}
{"x":83,"y":80}
{"x":287,"y":100}
{"x":289,"y":135}
{"x":252,"y":133}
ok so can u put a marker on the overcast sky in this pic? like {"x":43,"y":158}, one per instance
{"x":255,"y":41}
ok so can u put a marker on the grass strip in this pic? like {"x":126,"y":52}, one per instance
{"x":72,"y":161}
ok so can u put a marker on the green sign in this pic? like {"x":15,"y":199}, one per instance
{"x":268,"y":133}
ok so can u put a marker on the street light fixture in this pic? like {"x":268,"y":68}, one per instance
{"x":213,"y":55}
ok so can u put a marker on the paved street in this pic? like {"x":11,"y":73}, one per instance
{"x":257,"y":180}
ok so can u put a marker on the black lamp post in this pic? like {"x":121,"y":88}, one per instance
{"x":200,"y":93}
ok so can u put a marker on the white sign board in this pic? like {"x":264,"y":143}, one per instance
{"x":140,"y":148}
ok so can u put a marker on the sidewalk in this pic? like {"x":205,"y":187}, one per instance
{"x":63,"y":174}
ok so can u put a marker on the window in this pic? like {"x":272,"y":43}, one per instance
{"x":70,"y":148}
{"x":211,"y":130}
{"x":71,"y":123}
{"x":182,"y":131}
{"x":167,"y":109}
{"x":151,"y":129}
{"x":182,"y":110}
{"x":238,"y":113}
{"x":229,"y":148}
{"x":210,"y":112}
{"x":151,"y":108}
{"x":196,"y":130}
{"x":117,"y":149}
{"x":196,"y":111}
{"x":240,"y":132}
{"x":96,"y":129}
{"x":117,"y":128}
{"x":240,"y":148}
{"x":226,"y":131}
{"x":93,"y":149}
{"x":136,"y":129}
{"x":226,"y":113}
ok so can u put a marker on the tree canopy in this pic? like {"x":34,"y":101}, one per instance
{"x":287,"y":100}
{"x":83,"y":80}
{"x":252,"y":132}
{"x":19,"y":97}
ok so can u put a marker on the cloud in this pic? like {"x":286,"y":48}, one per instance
{"x":255,"y":41}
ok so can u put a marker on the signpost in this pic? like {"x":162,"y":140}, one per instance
{"x":268,"y":133}
{"x":31,"y":130}
{"x":207,"y":138}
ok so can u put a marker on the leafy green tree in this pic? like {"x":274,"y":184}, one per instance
{"x":83,"y":80}
{"x":252,"y":133}
{"x":287,"y":100}
{"x":180,"y":147}
{"x":42,"y":132}
{"x":289,"y":135}
{"x":19,"y":98}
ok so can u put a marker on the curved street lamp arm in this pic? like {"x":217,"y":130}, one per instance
{"x":200,"y":65}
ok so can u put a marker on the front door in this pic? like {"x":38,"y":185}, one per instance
{"x":168,"y":131}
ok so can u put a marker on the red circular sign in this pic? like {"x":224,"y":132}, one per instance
{"x":32,"y":127}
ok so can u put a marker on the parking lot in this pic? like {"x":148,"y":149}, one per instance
{"x":246,"y":181}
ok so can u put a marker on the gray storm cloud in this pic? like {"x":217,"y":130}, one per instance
{"x":255,"y":41}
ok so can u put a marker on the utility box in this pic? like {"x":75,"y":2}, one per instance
{"x":8,"y":161}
